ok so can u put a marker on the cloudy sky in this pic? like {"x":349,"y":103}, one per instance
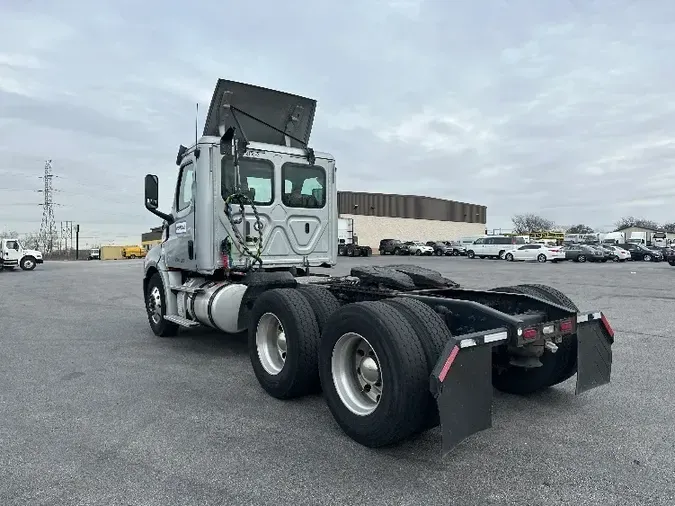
{"x":565,"y":108}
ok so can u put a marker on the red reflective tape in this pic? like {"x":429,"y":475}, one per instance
{"x":608,"y":327}
{"x":448,"y":363}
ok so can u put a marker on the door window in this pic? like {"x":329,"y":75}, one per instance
{"x":304,"y":186}
{"x":185,"y":187}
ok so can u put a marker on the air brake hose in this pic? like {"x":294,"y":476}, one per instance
{"x":241,"y":199}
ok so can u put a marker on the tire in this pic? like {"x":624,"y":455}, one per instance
{"x":520,"y":381}
{"x":501,"y":254}
{"x":455,"y":253}
{"x":581,"y":258}
{"x":399,"y":411}
{"x":155,"y":307}
{"x":323,"y":302}
{"x":566,"y":368}
{"x":28,"y":263}
{"x":471,"y":254}
{"x":672,"y":262}
{"x":293,"y":372}
{"x":647,"y":258}
{"x":508,"y":257}
{"x":397,"y":251}
{"x":615,"y":259}
{"x":418,"y":252}
{"x":541,"y":258}
{"x":433,"y":334}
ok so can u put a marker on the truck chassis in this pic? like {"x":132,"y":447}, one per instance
{"x":396,"y":350}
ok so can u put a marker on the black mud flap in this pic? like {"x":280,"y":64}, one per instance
{"x":594,"y":351}
{"x":461,"y":383}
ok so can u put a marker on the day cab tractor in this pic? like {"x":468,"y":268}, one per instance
{"x":14,"y":254}
{"x":396,"y":350}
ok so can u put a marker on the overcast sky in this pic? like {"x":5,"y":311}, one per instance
{"x":562,"y":107}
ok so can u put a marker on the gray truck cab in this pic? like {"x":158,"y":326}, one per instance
{"x":254,"y":144}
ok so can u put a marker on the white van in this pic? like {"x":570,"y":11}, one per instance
{"x":494,"y":246}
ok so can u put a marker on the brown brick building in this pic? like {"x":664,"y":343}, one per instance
{"x":409,"y":217}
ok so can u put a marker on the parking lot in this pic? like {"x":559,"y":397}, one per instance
{"x":94,"y":409}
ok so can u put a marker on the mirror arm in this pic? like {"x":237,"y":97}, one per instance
{"x":167,"y":217}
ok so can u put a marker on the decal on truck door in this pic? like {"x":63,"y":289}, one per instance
{"x":181,"y":227}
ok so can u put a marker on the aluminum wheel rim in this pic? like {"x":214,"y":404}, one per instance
{"x":28,"y":264}
{"x":155,"y":305}
{"x":270,"y":339}
{"x":357,"y":375}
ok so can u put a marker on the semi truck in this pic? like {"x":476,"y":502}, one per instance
{"x":14,"y":254}
{"x":396,"y":350}
{"x":348,"y":242}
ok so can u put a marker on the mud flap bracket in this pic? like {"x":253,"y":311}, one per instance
{"x":461,"y":383}
{"x":594,"y":351}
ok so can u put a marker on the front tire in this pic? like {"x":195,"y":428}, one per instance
{"x":374,"y":374}
{"x":508,"y":257}
{"x":28,"y":263}
{"x":283,"y":339}
{"x":471,"y":254}
{"x":647,"y":258}
{"x":155,"y":306}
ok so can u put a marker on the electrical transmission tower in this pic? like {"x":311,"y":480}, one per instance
{"x":48,"y":225}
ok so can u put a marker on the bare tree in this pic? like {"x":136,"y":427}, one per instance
{"x":669,"y":227}
{"x":8,"y":234}
{"x":580,"y":229}
{"x":632,"y":221}
{"x":528,"y":223}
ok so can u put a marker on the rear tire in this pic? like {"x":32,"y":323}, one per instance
{"x":541,"y":258}
{"x":283,"y":339}
{"x":556,"y":367}
{"x":567,"y":363}
{"x":323,"y":302}
{"x":433,"y":334}
{"x":397,"y":363}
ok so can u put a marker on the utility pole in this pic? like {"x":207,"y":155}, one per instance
{"x":77,"y":241}
{"x":48,"y":225}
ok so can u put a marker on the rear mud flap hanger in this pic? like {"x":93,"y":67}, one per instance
{"x":461,"y":381}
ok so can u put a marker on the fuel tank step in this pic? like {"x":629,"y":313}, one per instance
{"x":179,"y":320}
{"x":187,"y":289}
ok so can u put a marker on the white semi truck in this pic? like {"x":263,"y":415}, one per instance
{"x":14,"y":254}
{"x":395,"y":349}
{"x":348,"y":242}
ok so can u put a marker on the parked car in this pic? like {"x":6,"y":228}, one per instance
{"x":582,"y":253}
{"x":457,"y":248}
{"x":440,"y":248}
{"x":539,"y":252}
{"x":606,"y":254}
{"x":493,"y":246}
{"x":642,"y":252}
{"x":418,"y":248}
{"x":619,"y":254}
{"x":393,"y":247}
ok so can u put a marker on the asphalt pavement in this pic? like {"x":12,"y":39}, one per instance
{"x":96,"y":410}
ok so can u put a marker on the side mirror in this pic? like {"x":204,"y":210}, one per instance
{"x":152,"y":198}
{"x":151,"y":191}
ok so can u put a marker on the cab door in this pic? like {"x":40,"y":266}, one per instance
{"x":11,"y":252}
{"x":179,"y":248}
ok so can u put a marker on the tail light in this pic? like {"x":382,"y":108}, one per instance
{"x":566,"y":326}
{"x":530,"y":333}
